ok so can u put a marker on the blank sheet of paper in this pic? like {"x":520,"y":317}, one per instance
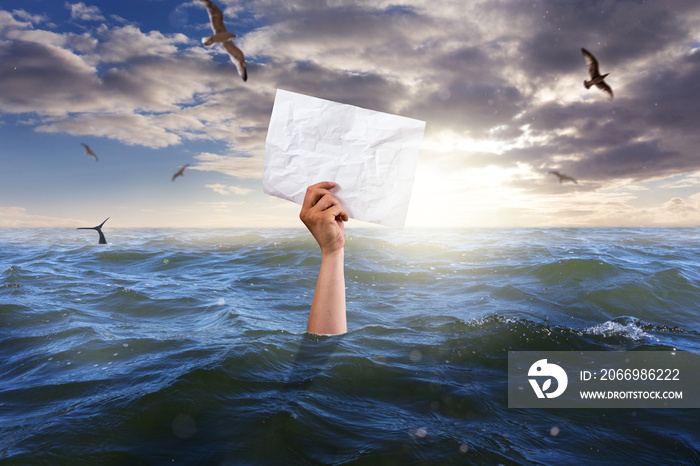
{"x":372,"y":156}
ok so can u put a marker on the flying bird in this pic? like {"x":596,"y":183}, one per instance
{"x":223,"y":37}
{"x":99,"y":230}
{"x":596,"y":78}
{"x":562,"y":177}
{"x":89,"y":152}
{"x":181,"y":171}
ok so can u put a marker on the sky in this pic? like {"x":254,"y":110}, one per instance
{"x":499,"y":84}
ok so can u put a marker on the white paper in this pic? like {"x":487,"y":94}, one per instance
{"x":372,"y":156}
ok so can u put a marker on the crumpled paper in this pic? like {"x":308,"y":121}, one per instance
{"x":372,"y":156}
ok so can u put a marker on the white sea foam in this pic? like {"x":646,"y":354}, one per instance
{"x":610,"y":328}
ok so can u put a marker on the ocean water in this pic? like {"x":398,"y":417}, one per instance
{"x":188,"y":346}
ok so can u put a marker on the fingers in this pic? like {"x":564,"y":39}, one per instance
{"x":338,"y":212}
{"x":326,"y":201}
{"x":330,"y":206}
{"x":324,"y":185}
{"x":316,"y":192}
{"x":320,"y":202}
{"x":323,"y":215}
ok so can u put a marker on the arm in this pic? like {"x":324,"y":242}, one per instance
{"x":324,"y":216}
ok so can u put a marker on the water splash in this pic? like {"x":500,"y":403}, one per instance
{"x":626,"y":327}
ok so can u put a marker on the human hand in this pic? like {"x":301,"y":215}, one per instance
{"x":324,"y":216}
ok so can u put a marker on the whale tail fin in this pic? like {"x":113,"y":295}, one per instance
{"x":98,"y":228}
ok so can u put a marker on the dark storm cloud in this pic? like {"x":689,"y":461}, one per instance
{"x":649,"y":130}
{"x":352,"y":28}
{"x":489,"y":88}
{"x":615,"y":32}
{"x":49,"y":73}
{"x":25,"y":67}
{"x":467,"y":90}
{"x":466,"y":60}
{"x":667,"y":97}
{"x":491,"y":70}
{"x":635,"y":160}
{"x":465,"y":106}
{"x":321,"y":17}
{"x":367,"y":90}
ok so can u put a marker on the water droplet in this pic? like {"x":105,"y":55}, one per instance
{"x":184,"y":426}
{"x":416,"y":355}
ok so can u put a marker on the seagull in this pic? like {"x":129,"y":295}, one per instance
{"x":89,"y":151}
{"x":596,"y":77}
{"x":99,"y":230}
{"x":222,"y":36}
{"x":181,"y":172}
{"x":562,"y":177}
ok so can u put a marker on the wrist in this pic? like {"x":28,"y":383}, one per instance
{"x":333,"y":254}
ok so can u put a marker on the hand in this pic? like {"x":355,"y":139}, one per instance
{"x":324,"y":216}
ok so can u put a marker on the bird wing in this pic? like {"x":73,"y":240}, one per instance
{"x":216,"y":17}
{"x":604,"y":86}
{"x":180,"y":172}
{"x":237,"y":58}
{"x":89,"y":151}
{"x":592,"y":63}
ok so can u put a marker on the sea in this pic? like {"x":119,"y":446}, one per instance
{"x":188,"y":346}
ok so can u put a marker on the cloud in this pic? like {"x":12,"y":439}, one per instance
{"x":498,"y":83}
{"x":690,"y":181}
{"x":119,"y":45}
{"x":20,"y":217}
{"x":238,"y":167}
{"x":680,"y":206}
{"x":31,"y":18}
{"x":226,"y":190}
{"x":120,"y":83}
{"x":83,"y":12}
{"x":116,"y":126}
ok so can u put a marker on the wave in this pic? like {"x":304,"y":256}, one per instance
{"x":190,"y":345}
{"x":377,"y":392}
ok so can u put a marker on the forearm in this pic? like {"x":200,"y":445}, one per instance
{"x":327,"y":315}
